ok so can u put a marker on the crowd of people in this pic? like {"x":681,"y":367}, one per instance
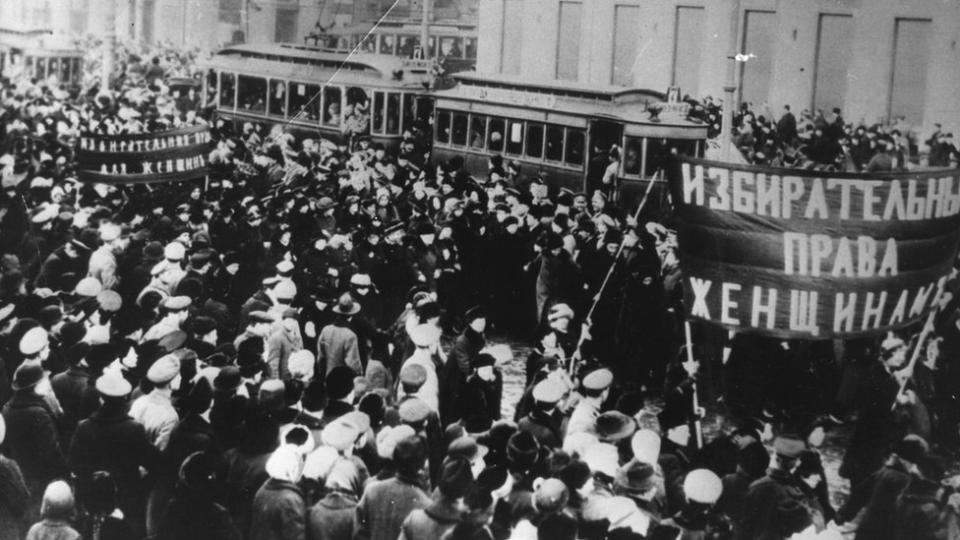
{"x":299,"y":346}
{"x":826,"y":141}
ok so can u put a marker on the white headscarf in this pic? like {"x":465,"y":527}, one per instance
{"x":285,"y":463}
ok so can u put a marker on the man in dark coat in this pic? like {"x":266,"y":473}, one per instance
{"x":482,"y":392}
{"x":192,"y":513}
{"x":545,"y":421}
{"x":32,"y":439}
{"x":460,"y":364}
{"x":787,"y":126}
{"x":878,"y":492}
{"x":14,"y":496}
{"x":112,"y":441}
{"x":445,"y":511}
{"x":920,"y":512}
{"x":75,"y":391}
{"x":279,"y":511}
{"x":386,"y":504}
{"x":768,"y":493}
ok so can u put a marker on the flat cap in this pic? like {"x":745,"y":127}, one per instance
{"x":702,"y":486}
{"x":340,"y":434}
{"x":413,"y":375}
{"x":109,"y":301}
{"x":89,"y":287}
{"x":598,"y":379}
{"x":414,"y":411}
{"x":112,"y":384}
{"x":789,"y":446}
{"x":388,"y":438}
{"x":33,"y":341}
{"x":164,"y":369}
{"x":548,"y":391}
{"x":176,"y":303}
{"x":174,"y":251}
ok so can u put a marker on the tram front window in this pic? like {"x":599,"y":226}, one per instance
{"x":460,"y":129}
{"x":633,"y":156}
{"x":393,"y":114}
{"x":554,"y":150}
{"x":252,"y":93}
{"x":387,"y":43}
{"x":478,"y":130}
{"x":228,"y":82}
{"x":576,"y":140}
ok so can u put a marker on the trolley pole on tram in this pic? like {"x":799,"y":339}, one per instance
{"x":729,"y":89}
{"x":109,"y":49}
{"x":425,"y":29}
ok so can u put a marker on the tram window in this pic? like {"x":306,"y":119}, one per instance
{"x":251,"y":93}
{"x":65,"y":70}
{"x":54,"y":68}
{"x":478,"y":131}
{"x":554,"y":150}
{"x":378,"y":106}
{"x":658,"y":154}
{"x":228,"y":82}
{"x":534,"y":140}
{"x":407,"y":44}
{"x":633,"y":156}
{"x":446,"y":46}
{"x":41,"y":68}
{"x":471,"y":48}
{"x":515,"y":138}
{"x":357,"y":114}
{"x":369,"y":44}
{"x":459,"y":129}
{"x":573,"y":154}
{"x":495,"y":135}
{"x":300,"y":96}
{"x":387,"y":43}
{"x":331,"y":100}
{"x":393,"y":113}
{"x":443,"y":127}
{"x":409,"y":111}
{"x":433,"y":46}
{"x":456,"y":51}
{"x":686,"y":147}
{"x":278,"y":98}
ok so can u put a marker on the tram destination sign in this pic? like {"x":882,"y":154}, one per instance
{"x":810,"y":254}
{"x":169,"y":156}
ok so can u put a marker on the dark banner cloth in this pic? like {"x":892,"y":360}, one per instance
{"x":811,"y":254}
{"x":168,"y":156}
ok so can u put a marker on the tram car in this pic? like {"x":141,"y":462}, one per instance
{"x":316,"y":91}
{"x":564,"y":131}
{"x":457,"y":42}
{"x":41,"y":55}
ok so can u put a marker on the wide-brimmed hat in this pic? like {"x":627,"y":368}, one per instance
{"x":346,"y":305}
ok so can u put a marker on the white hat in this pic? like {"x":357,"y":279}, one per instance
{"x":285,"y":290}
{"x":702,"y":486}
{"x":646,"y":446}
{"x":164,"y":369}
{"x":174,"y":251}
{"x":603,"y":458}
{"x":33,"y":341}
{"x":388,"y":438}
{"x":424,"y":335}
{"x":340,"y":434}
{"x":319,"y":463}
{"x":112,"y":384}
{"x":109,"y":232}
{"x":285,"y":463}
{"x":89,"y":287}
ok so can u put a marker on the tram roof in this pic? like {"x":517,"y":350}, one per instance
{"x":39,"y":41}
{"x":436,"y":29}
{"x":307,"y":62}
{"x":603,"y":102}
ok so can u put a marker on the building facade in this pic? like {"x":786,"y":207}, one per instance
{"x":874,"y":59}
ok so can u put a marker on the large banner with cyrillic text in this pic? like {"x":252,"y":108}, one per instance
{"x":169,"y":156}
{"x":813,"y":254}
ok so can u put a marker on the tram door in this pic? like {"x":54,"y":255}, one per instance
{"x":424,"y":115}
{"x":603,"y":135}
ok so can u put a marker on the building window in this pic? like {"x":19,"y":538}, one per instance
{"x":687,"y":45}
{"x":568,"y":41}
{"x":626,"y":21}
{"x":512,"y":42}
{"x":834,"y":39}
{"x":759,"y":39}
{"x":911,"y":52}
{"x":285,"y":29}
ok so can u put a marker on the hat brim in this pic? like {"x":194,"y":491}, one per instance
{"x":353,"y":310}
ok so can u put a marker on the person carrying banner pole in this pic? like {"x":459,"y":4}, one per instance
{"x":573,"y":364}
{"x":691,"y":368}
{"x":905,"y":375}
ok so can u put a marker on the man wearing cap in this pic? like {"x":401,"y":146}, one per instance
{"x":460,"y":363}
{"x":103,"y":261}
{"x":32,"y":438}
{"x":596,"y":389}
{"x":767,"y":493}
{"x":545,"y":421}
{"x":337,"y":345}
{"x":175,"y":312}
{"x":426,"y":339}
{"x":441,"y":515}
{"x":284,"y":340}
{"x":482,"y":392}
{"x":702,"y":488}
{"x":385,"y":505}
{"x":155,"y":410}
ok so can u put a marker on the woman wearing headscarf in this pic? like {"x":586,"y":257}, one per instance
{"x":279,"y":511}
